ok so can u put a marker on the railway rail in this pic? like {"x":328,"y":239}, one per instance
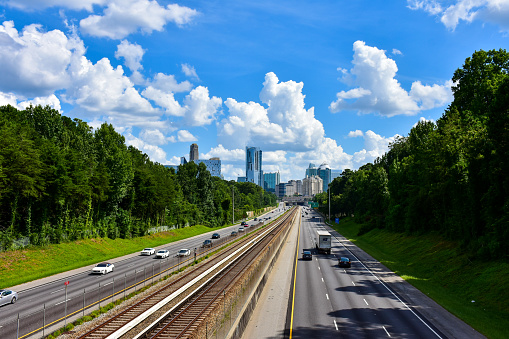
{"x":186,"y":301}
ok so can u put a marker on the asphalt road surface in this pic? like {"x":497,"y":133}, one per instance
{"x":332,"y":302}
{"x":46,"y":299}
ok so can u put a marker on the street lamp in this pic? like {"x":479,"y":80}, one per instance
{"x":328,"y":189}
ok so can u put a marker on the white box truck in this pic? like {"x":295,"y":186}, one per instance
{"x":323,"y":242}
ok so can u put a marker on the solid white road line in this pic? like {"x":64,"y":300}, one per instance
{"x":327,"y":296}
{"x":335,"y":324}
{"x":365,"y":302}
{"x":386,"y":331}
{"x":322,"y":280}
{"x":390,"y":291}
{"x":353,"y":283}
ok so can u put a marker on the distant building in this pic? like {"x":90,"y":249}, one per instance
{"x":213,"y":164}
{"x":193,"y":153}
{"x":241,"y":179}
{"x":281,"y":190}
{"x":294,"y":187}
{"x":254,"y":171}
{"x":335,"y":174}
{"x":323,"y":172}
{"x":312,"y":185}
{"x":271,"y":180}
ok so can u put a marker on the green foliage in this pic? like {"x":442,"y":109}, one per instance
{"x":450,"y":177}
{"x":440,"y":269}
{"x":61,"y":181}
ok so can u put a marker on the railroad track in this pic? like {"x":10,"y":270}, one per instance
{"x":166,"y":299}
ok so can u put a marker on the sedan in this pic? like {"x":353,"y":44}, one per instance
{"x":148,"y":251}
{"x":306,"y":255}
{"x":241,"y":229}
{"x":184,"y":252}
{"x":103,"y":268}
{"x":207,"y":243}
{"x":216,"y":236}
{"x":233,"y":234}
{"x":344,"y":262}
{"x":8,"y":297}
{"x":163,"y":254}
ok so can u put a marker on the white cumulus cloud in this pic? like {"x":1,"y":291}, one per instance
{"x":124,"y":17}
{"x":201,"y":109}
{"x":283,"y":122}
{"x":189,"y":71}
{"x":452,"y":13}
{"x":378,"y":90}
{"x":35,"y":63}
{"x":185,"y":136}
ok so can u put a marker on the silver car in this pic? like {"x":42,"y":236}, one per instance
{"x":8,"y":297}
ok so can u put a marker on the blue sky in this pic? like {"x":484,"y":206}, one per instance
{"x":307,"y":82}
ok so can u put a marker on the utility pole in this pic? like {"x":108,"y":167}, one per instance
{"x":233,"y":204}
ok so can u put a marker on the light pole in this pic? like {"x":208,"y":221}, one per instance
{"x":233,"y":204}
{"x":328,"y":188}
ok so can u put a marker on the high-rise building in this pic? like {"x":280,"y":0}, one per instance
{"x":312,"y":185}
{"x":254,"y":171}
{"x":213,"y":164}
{"x":323,"y":172}
{"x":295,"y":187}
{"x":271,"y":180}
{"x":193,"y":153}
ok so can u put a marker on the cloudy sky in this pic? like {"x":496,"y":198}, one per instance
{"x":306,"y":81}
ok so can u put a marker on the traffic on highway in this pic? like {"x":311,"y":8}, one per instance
{"x":52,"y":299}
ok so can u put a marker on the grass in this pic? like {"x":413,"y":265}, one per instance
{"x":475,"y":291}
{"x":40,"y":262}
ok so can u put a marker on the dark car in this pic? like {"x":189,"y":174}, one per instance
{"x":243,"y":223}
{"x":306,"y":255}
{"x":234,"y":234}
{"x":207,"y":243}
{"x":216,"y":236}
{"x":344,"y":262}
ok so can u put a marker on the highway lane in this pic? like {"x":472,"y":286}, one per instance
{"x":52,"y":295}
{"x":347,"y":302}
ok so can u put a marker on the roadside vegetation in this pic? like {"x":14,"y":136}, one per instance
{"x":475,"y":291}
{"x":40,"y":262}
{"x":62,"y":181}
{"x":448,"y":177}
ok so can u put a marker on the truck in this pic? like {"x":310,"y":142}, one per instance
{"x":323,"y":242}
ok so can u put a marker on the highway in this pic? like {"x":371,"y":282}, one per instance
{"x":332,"y":302}
{"x":46,"y":299}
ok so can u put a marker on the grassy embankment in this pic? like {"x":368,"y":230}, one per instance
{"x":475,"y":291}
{"x":20,"y":266}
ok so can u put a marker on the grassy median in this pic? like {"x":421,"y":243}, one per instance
{"x":475,"y":291}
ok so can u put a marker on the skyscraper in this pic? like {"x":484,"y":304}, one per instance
{"x":193,"y":152}
{"x":254,"y":171}
{"x":323,"y":172}
{"x":271,"y":180}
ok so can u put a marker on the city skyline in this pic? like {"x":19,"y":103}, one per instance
{"x":307,"y":82}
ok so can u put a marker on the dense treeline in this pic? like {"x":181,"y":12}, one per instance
{"x":60,"y":180}
{"x":451,"y":176}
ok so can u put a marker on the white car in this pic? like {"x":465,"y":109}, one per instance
{"x":183,"y":252}
{"x":148,"y":251}
{"x":103,"y":268}
{"x":241,"y":229}
{"x":163,"y":254}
